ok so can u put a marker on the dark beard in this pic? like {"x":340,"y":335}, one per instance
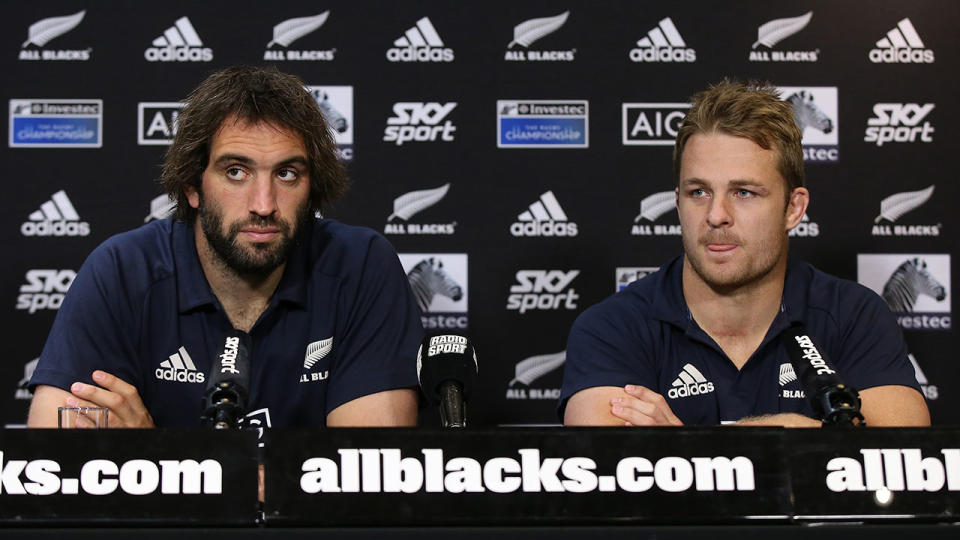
{"x":259,"y":259}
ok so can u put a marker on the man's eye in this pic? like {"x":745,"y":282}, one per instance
{"x":744,"y":193}
{"x":697,"y":192}
{"x":287,"y":175}
{"x":235,"y":173}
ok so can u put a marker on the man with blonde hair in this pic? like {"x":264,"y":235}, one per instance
{"x":697,"y":342}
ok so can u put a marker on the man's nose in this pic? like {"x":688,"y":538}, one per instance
{"x":263,"y":196}
{"x":718,"y":215}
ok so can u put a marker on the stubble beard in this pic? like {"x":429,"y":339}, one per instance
{"x":751,"y":268}
{"x":257,"y":259}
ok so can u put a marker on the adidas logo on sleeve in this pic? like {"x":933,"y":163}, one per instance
{"x":690,"y":382}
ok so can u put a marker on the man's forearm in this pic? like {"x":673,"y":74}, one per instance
{"x":782,"y":419}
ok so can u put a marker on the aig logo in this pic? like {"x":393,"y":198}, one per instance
{"x":543,"y":290}
{"x":157,"y":123}
{"x":652,"y":124}
{"x":44,"y":289}
{"x":419,"y":122}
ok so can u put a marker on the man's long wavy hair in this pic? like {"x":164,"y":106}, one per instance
{"x":752,"y":110}
{"x":254,"y":95}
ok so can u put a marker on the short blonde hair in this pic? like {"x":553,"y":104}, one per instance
{"x":752,"y":110}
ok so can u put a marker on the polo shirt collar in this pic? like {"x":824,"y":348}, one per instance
{"x":194,"y":290}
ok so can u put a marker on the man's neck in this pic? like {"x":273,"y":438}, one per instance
{"x":244,"y":297}
{"x":736,"y":318}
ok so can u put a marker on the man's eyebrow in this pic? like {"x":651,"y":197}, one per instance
{"x":239,"y":158}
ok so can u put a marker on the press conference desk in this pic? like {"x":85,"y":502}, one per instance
{"x":721,"y":482}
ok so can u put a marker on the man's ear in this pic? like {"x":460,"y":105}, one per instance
{"x":797,"y":206}
{"x":193,"y":196}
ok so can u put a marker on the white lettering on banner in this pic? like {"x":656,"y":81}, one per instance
{"x":896,"y":470}
{"x":103,"y":477}
{"x":373,"y":470}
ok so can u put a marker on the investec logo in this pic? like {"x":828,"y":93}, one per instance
{"x":543,"y":123}
{"x":651,"y":208}
{"x":439,"y":285}
{"x":56,"y":123}
{"x":529,"y":370}
{"x":290,"y":30}
{"x":411,"y":203}
{"x":916,"y":287}
{"x":815,"y":111}
{"x":895,"y":469}
{"x":525,"y":33}
{"x":157,"y":122}
{"x":899,"y":122}
{"x":421,"y":43}
{"x":903,"y":45}
{"x":336,"y":104}
{"x":419,"y":122}
{"x":898,"y":204}
{"x":652,"y":124}
{"x":543,"y":290}
{"x":56,"y":217}
{"x":775,"y":31}
{"x":663,"y":44}
{"x":44,"y":30}
{"x":179,"y":43}
{"x":44,"y":289}
{"x":544,"y":217}
{"x":625,"y":275}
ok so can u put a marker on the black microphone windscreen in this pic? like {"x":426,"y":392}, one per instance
{"x":446,"y":357}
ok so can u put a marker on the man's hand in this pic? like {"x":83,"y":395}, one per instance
{"x":642,"y":407}
{"x":123,"y":400}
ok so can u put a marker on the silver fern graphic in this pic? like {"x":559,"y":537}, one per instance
{"x":527,"y":32}
{"x":405,"y":206}
{"x":316,"y":351}
{"x":921,"y":377}
{"x":533,"y":368}
{"x":44,"y":30}
{"x":777,"y":30}
{"x":899,"y":204}
{"x":656,"y":205}
{"x":787,"y":374}
{"x":291,"y":30}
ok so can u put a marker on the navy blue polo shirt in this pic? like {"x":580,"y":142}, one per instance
{"x":645,"y":335}
{"x":342,"y":324}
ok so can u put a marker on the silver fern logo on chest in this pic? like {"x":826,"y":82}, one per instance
{"x":316,"y":351}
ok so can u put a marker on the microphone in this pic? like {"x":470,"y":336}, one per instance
{"x":446,"y":368}
{"x":225,"y":401}
{"x":833,"y":402}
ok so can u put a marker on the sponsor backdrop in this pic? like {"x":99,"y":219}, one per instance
{"x":521,"y":167}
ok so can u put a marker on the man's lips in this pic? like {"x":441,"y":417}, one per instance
{"x":261,"y":235}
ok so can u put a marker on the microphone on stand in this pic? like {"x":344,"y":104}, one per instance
{"x":833,"y":402}
{"x":446,"y":368}
{"x":224,"y":403}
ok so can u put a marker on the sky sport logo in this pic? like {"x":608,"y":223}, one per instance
{"x":895,"y":206}
{"x":411,"y":203}
{"x":440,"y":287}
{"x":56,"y":217}
{"x":663,"y":43}
{"x":815,"y":111}
{"x":289,"y":31}
{"x":420,"y":43}
{"x":543,"y":290}
{"x":419,"y":122}
{"x":775,"y":31}
{"x":157,"y":122}
{"x":45,"y":30}
{"x":899,"y":122}
{"x":44,"y":289}
{"x":901,"y":45}
{"x":543,"y":123}
{"x":527,"y":32}
{"x":544,"y":217}
{"x":179,"y":43}
{"x":652,"y":124}
{"x":916,"y":287}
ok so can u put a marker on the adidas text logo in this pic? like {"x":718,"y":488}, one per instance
{"x":805,"y":229}
{"x":420,"y":44}
{"x":899,"y":122}
{"x":902,"y":45}
{"x":179,"y":367}
{"x":651,"y":208}
{"x":930,"y":391}
{"x":772,"y":32}
{"x":44,"y":30}
{"x":291,"y":30}
{"x":179,"y":43}
{"x":44,"y":289}
{"x":419,"y":122}
{"x":545,"y":217}
{"x":690,"y":382}
{"x":663,"y":44}
{"x":56,"y":217}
